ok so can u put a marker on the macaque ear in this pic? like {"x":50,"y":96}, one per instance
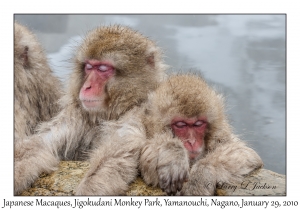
{"x":150,"y":60}
{"x":152,"y":54}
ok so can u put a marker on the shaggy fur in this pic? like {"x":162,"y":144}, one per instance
{"x":75,"y":132}
{"x":36,"y":90}
{"x":114,"y":165}
{"x":164,"y":160}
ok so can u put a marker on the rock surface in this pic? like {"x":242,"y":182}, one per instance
{"x":65,"y":180}
{"x":260,"y":182}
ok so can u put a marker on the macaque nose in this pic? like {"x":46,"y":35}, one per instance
{"x":87,"y":86}
{"x":90,"y":81}
{"x":191,"y":137}
{"x":192,"y":141}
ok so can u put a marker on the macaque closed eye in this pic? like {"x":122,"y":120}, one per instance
{"x":199,"y":123}
{"x":88,"y":66}
{"x":180,"y":124}
{"x":103,"y":68}
{"x":100,"y":67}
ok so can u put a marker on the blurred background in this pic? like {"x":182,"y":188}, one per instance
{"x":242,"y":56}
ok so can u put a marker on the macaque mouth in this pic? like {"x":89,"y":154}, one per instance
{"x":90,"y":103}
{"x":84,"y":100}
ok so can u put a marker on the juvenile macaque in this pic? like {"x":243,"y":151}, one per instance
{"x":190,"y":145}
{"x":36,"y":90}
{"x":114,"y":70}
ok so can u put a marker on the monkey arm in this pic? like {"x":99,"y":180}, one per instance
{"x":164,"y":161}
{"x":229,"y":162}
{"x":234,"y":160}
{"x":113,"y":168}
{"x":114,"y":162}
{"x":31,"y":158}
{"x":64,"y":133}
{"x":41,"y":152}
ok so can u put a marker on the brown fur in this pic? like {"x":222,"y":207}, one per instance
{"x":73,"y":132}
{"x":164,"y":160}
{"x":114,"y":164}
{"x":36,"y":90}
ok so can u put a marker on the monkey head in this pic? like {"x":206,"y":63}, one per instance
{"x":28,"y":52}
{"x":115,"y":68}
{"x":186,"y":106}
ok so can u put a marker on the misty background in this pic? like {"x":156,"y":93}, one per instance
{"x":242,"y":56}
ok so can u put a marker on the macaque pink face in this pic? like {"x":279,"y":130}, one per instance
{"x":191,"y":132}
{"x":97,"y":74}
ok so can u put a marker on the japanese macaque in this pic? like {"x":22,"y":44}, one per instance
{"x":115,"y":68}
{"x":190,"y":146}
{"x":36,"y":89}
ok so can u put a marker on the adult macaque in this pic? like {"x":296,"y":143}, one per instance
{"x":36,"y":90}
{"x":114,"y":70}
{"x":190,"y":145}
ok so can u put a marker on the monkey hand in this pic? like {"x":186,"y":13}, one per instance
{"x":173,"y":170}
{"x":201,"y":181}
